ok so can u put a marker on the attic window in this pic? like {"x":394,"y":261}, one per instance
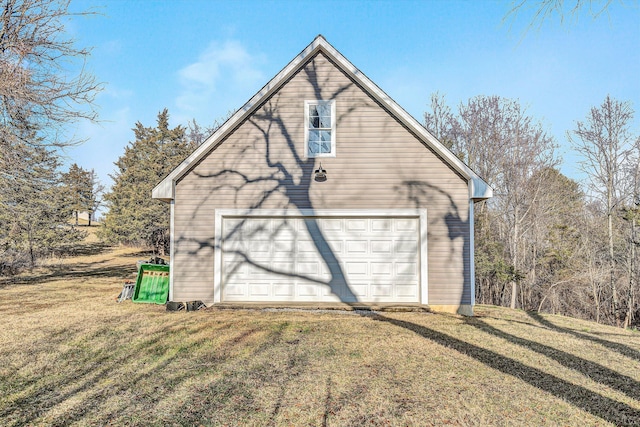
{"x":320,"y":128}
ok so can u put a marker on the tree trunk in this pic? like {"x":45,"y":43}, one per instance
{"x":31,"y":252}
{"x":632,"y":259}
{"x":514,"y":257}
{"x":612,"y":270}
{"x":514,"y":293}
{"x":596,"y":297}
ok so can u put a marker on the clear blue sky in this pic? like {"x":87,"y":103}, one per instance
{"x":201,"y":59}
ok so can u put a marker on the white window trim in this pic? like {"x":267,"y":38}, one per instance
{"x":307,"y":103}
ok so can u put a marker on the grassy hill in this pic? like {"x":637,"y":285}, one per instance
{"x":71,"y":355}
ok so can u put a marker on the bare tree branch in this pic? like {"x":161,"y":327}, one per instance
{"x":44,"y":82}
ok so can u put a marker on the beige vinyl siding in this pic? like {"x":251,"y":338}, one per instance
{"x":379,"y":164}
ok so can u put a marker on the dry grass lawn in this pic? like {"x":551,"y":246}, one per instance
{"x":71,"y":355}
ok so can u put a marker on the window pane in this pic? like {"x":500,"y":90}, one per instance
{"x":313,"y":148}
{"x":313,"y":110}
{"x":314,"y":135}
{"x":325,"y":142}
{"x":325,"y":122}
{"x":314,"y":122}
{"x":324,"y":109}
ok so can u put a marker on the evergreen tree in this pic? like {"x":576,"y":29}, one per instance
{"x":134,"y":217}
{"x":77,"y":188}
{"x":33,"y":211}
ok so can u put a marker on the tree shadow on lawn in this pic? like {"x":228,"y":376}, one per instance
{"x":587,"y":400}
{"x":84,"y":249}
{"x":594,"y":371}
{"x":612,"y":345}
{"x":88,"y":378}
{"x":75,"y":271}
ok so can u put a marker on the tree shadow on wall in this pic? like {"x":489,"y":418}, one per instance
{"x":423,"y":194}
{"x":286,"y":186}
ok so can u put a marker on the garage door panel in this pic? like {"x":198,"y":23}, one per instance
{"x":406,"y":269}
{"x":384,"y":291}
{"x":333,"y":224}
{"x":310,"y":246}
{"x":283,"y":290}
{"x":238,"y":267}
{"x":360,"y":290}
{"x":277,"y":259}
{"x":357,"y":225}
{"x":305,"y":290}
{"x":235,"y":290}
{"x":259,"y":247}
{"x":357,"y":247}
{"x":308,"y":268}
{"x":357,"y":269}
{"x":259,"y":290}
{"x":304,"y":246}
{"x":406,"y":291}
{"x":406,"y":246}
{"x":382,"y":269}
{"x":406,"y":224}
{"x":381,"y":225}
{"x":381,"y":246}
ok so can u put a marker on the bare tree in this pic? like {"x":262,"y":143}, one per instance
{"x":44,"y":84}
{"x":513,"y":153}
{"x":604,"y":142}
{"x":546,"y":9}
{"x":197,"y":134}
{"x":95,"y":192}
{"x":440,"y":121}
{"x":632,"y":216}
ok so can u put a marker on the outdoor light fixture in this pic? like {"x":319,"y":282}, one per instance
{"x":321,"y":174}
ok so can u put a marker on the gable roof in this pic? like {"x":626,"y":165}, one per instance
{"x":478,"y":188}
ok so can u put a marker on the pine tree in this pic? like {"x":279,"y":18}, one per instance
{"x":33,"y":210}
{"x":82,"y":190}
{"x":133,"y":216}
{"x":77,"y":189}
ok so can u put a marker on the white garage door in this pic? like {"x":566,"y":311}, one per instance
{"x":320,"y":259}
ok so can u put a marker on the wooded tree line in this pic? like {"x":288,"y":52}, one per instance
{"x":43,"y":88}
{"x":546,"y":242}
